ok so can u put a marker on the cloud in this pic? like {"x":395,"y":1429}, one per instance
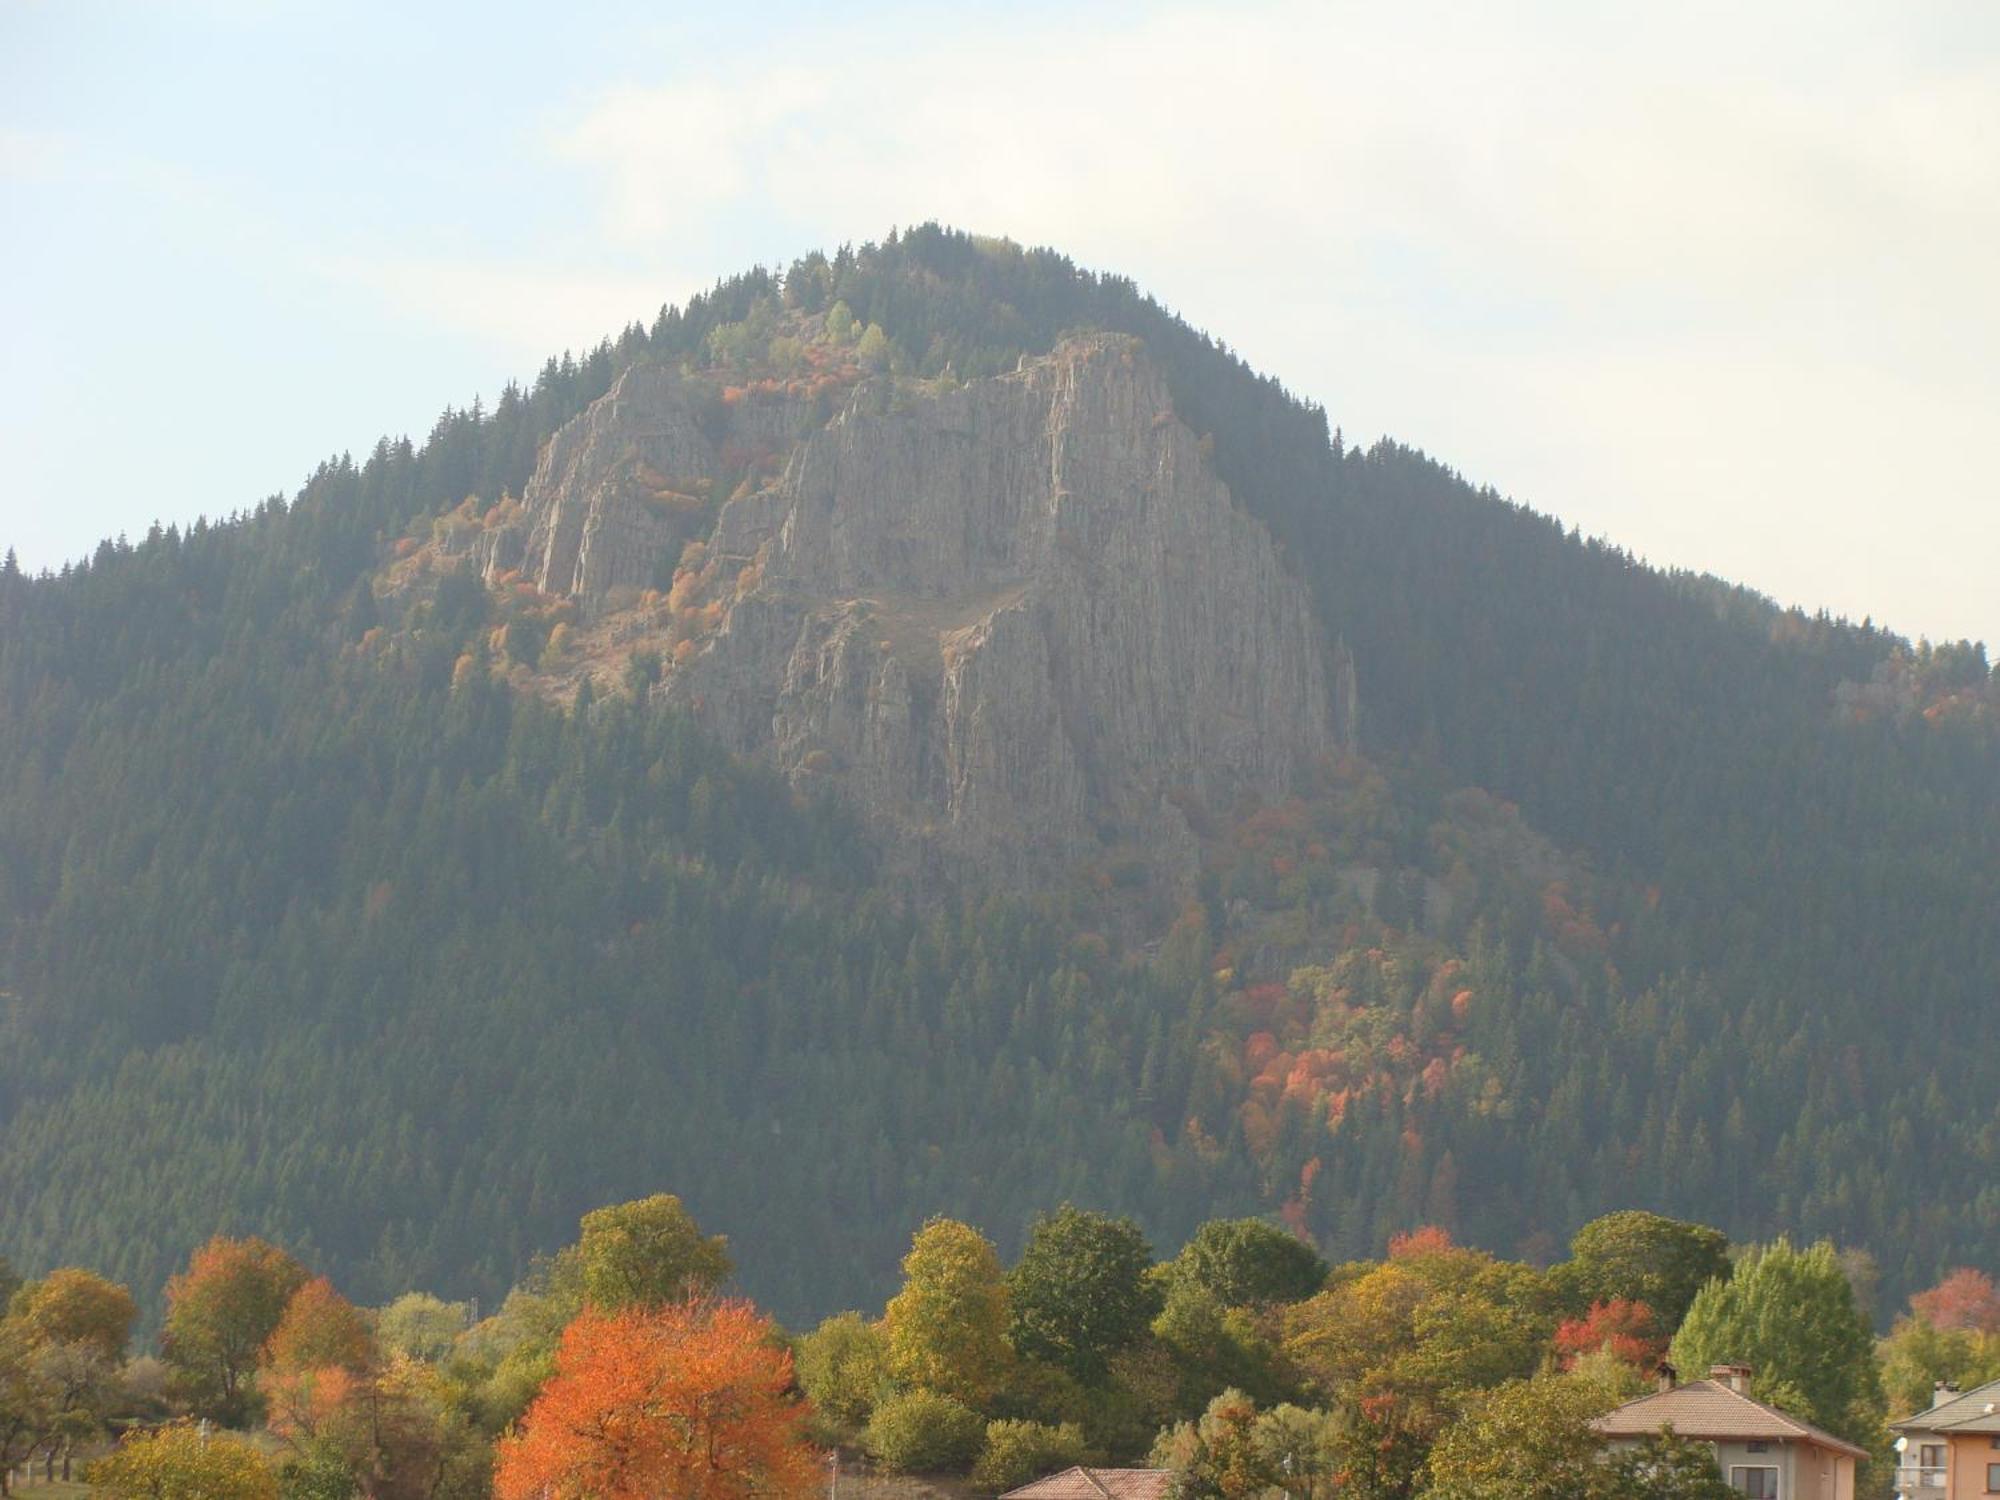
{"x":1551,"y":244}
{"x":675,"y":154}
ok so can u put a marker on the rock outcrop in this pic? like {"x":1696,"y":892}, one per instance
{"x":1020,"y":621}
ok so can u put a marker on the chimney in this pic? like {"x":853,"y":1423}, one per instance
{"x":1667,"y":1376}
{"x":1736,"y":1377}
{"x":1943,"y":1391}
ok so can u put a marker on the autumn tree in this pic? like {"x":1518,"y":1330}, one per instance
{"x":689,"y":1399}
{"x":1217,"y":1456}
{"x":77,"y":1389}
{"x":947,"y":1328}
{"x":25,"y":1407}
{"x":872,"y":348}
{"x":316,"y":1379}
{"x":1965,"y":1299}
{"x":1524,"y":1440}
{"x":1622,"y":1328}
{"x":183,"y":1463}
{"x":1416,"y":1329}
{"x":320,"y":1330}
{"x":399,"y":1432}
{"x":1233,"y":1451}
{"x":1080,"y":1291}
{"x":221,"y":1312}
{"x":1918,"y":1356}
{"x":74,"y":1306}
{"x":647,"y":1253}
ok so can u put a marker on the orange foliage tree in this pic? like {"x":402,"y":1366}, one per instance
{"x":220,"y":1312}
{"x":320,"y":1329}
{"x":1427,"y":1239}
{"x":691,"y":1400}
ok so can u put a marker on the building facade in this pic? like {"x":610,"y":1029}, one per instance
{"x":1952,"y":1450}
{"x":1764,"y":1453}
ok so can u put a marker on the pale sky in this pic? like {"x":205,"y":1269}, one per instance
{"x":1720,"y":282}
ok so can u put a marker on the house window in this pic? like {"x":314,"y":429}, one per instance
{"x":1758,"y":1483}
{"x":1931,"y":1456}
{"x":1757,"y":1447}
{"x":1993,"y":1479}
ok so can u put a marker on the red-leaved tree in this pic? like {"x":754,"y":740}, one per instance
{"x":1964,"y":1299}
{"x":690,"y":1400}
{"x":1623,"y":1327}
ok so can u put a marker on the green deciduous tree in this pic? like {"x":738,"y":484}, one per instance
{"x":1018,"y":1451}
{"x":843,"y":1366}
{"x":1524,"y":1440}
{"x":1663,"y":1467}
{"x":923,"y":1432}
{"x":1635,"y":1256}
{"x":1790,"y":1315}
{"x":1247,"y":1261}
{"x":647,"y":1253}
{"x":1080,"y":1291}
{"x":420,"y":1325}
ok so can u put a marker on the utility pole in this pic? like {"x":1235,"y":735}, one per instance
{"x":833,"y":1475}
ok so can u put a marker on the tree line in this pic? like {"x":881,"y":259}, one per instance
{"x":626,"y":1364}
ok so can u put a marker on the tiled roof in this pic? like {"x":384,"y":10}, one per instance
{"x":1976,"y":1410}
{"x":1098,"y":1484}
{"x":1711,"y":1411}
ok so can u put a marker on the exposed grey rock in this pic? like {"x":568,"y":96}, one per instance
{"x":1015,"y":620}
{"x":593,"y":522}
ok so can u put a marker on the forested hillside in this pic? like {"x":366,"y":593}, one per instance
{"x":316,"y":925}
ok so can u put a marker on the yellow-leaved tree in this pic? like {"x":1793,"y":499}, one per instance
{"x":947,"y":1327}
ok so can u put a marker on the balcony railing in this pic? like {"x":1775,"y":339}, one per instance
{"x":1914,"y":1480}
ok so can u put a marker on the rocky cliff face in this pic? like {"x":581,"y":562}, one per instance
{"x":1020,"y":621}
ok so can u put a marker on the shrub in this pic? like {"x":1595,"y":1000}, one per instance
{"x":1017,"y":1452}
{"x":841,"y":1365}
{"x":921,"y":1432}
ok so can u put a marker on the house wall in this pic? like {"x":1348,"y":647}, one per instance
{"x":1970,"y":1454}
{"x":1806,"y":1471}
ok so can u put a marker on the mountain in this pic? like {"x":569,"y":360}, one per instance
{"x":1008,"y":619}
{"x":931,"y":732}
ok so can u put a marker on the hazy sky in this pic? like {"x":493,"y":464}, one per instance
{"x":1718,"y":281}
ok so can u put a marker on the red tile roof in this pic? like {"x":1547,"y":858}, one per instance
{"x":1098,"y":1484}
{"x":1712,"y":1412}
